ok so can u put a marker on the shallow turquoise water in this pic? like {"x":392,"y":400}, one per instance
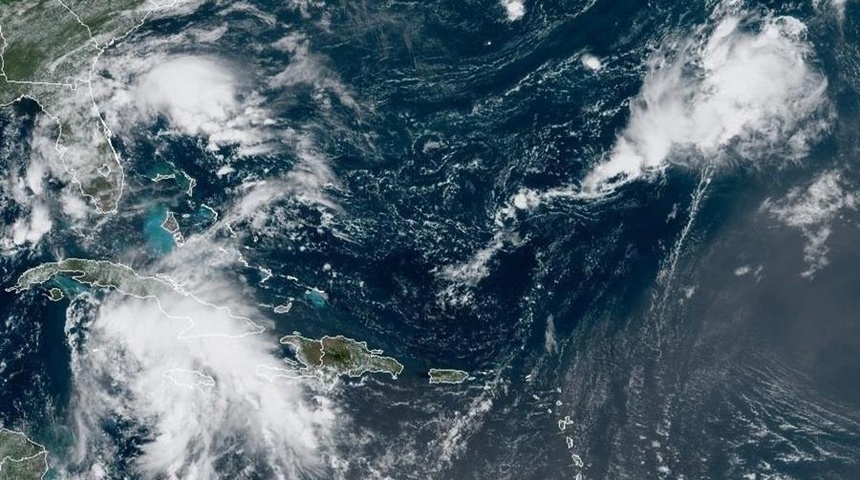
{"x":158,"y":239}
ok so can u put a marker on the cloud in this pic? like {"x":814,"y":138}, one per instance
{"x":31,"y":228}
{"x":307,"y":68}
{"x":310,"y":182}
{"x":73,"y":206}
{"x":514,"y":8}
{"x":591,"y":62}
{"x":812,"y":211}
{"x":35,"y":176}
{"x":837,"y":6}
{"x":744,"y":92}
{"x":205,"y":408}
{"x":193,"y":92}
{"x":200,"y":96}
{"x":196,"y":95}
{"x":475,"y":269}
{"x":207,"y":97}
{"x":25,"y":186}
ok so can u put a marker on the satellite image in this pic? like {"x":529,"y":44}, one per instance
{"x":430,"y":240}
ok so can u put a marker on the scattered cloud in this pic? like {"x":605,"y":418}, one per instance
{"x":812,"y":210}
{"x":308,"y":68}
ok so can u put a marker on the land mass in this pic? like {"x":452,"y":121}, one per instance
{"x":205,"y":318}
{"x":171,"y":226}
{"x":21,"y":458}
{"x":334,"y":356}
{"x":441,"y":375}
{"x":98,"y":273}
{"x":49,"y":51}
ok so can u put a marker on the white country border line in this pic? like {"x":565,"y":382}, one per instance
{"x":207,"y":380}
{"x":89,"y":81}
{"x":43,"y":452}
{"x":162,"y":279}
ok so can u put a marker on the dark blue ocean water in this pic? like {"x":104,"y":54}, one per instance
{"x":458,"y":110}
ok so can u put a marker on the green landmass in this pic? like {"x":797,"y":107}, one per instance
{"x":20,"y":458}
{"x":335,"y":356}
{"x":441,"y":375}
{"x":46,"y":42}
{"x":55,"y":294}
{"x":98,"y":273}
{"x":171,"y":226}
{"x":48,"y":51}
{"x":165,"y":170}
{"x":172,"y":300}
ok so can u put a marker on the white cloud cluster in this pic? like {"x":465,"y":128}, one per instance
{"x":197,"y":95}
{"x":204,"y":96}
{"x":737,"y":94}
{"x":194,"y":93}
{"x":31,"y":228}
{"x":812,"y":211}
{"x":27,"y":189}
{"x":591,"y":62}
{"x":203,"y":399}
{"x":515,"y":9}
{"x":200,"y":96}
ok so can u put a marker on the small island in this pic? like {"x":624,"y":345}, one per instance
{"x":442,"y":375}
{"x":21,"y":458}
{"x":334,"y":356}
{"x":284,"y":308}
{"x":55,"y":294}
{"x":171,"y":226}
